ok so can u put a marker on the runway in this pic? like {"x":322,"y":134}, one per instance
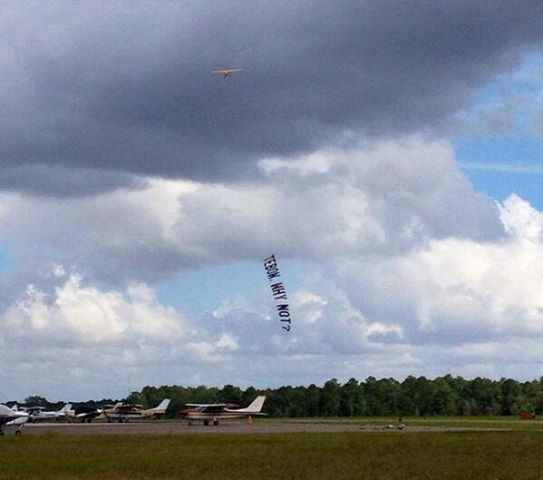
{"x":181,"y":428}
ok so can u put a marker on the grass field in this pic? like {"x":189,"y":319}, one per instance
{"x":511,"y":455}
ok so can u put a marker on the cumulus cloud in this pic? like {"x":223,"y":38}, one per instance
{"x":521,"y":220}
{"x":90,"y":333}
{"x":87,"y":315}
{"x":126,"y":86}
{"x":126,"y":162}
{"x":450,"y":305}
{"x":380,"y":198}
{"x":406,"y":265}
{"x":445,"y":304}
{"x":457,"y":291}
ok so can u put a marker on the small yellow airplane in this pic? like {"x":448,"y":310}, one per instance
{"x":227,"y":72}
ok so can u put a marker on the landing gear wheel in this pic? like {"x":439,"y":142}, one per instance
{"x":206,"y":422}
{"x":215,"y":422}
{"x":18,"y":432}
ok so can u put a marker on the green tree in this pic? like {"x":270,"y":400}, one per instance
{"x":445,"y":398}
{"x":352,"y":399}
{"x":510,"y":396}
{"x":330,"y":398}
{"x":312,"y":401}
{"x":229,"y":394}
{"x":37,"y":401}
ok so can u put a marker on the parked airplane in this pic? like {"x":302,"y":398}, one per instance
{"x":9,"y":417}
{"x":214,"y":411}
{"x":30,"y":409}
{"x":37,"y":415}
{"x":123,"y":412}
{"x":227,"y":72}
{"x":83,"y":413}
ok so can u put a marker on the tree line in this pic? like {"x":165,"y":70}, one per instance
{"x":414,"y":396}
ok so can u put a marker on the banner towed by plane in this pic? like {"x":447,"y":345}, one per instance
{"x":278,"y":291}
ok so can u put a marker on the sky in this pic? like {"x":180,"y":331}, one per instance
{"x":389,"y":154}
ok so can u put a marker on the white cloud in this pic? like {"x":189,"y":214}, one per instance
{"x":452,"y":305}
{"x":521,"y":220}
{"x":407,"y":265}
{"x":59,"y":271}
{"x":458,"y":290}
{"x":80,"y":331}
{"x":88,"y":316}
{"x":379,"y":199}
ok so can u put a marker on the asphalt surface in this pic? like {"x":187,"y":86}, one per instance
{"x":182,"y":428}
{"x":179,"y":428}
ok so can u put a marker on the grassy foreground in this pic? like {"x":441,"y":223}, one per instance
{"x":377,"y":456}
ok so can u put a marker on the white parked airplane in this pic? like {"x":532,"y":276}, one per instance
{"x":215,"y":411}
{"x":9,"y":417}
{"x":123,"y":412}
{"x":37,"y":415}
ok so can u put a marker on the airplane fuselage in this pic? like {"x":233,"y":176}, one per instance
{"x":49,"y":415}
{"x":123,"y":417}
{"x":124,"y":413}
{"x":9,"y":417}
{"x":215,"y":412}
{"x":216,"y":416}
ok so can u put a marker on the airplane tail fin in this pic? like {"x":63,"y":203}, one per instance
{"x":160,"y":409}
{"x":257,"y":405}
{"x":163,"y":405}
{"x":65,"y":408}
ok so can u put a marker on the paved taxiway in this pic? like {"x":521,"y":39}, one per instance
{"x":181,"y":428}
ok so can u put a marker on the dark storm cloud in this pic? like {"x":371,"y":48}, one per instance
{"x":64,"y":181}
{"x":126,"y":86}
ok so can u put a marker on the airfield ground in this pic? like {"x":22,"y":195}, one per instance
{"x":445,"y":449}
{"x":176,"y":428}
{"x":285,"y":426}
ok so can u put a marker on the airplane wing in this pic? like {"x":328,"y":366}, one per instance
{"x":214,"y":409}
{"x":203,"y":405}
{"x":8,"y":415}
{"x":88,"y":412}
{"x":227,"y":70}
{"x":125,"y":409}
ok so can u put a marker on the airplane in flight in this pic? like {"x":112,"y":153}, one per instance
{"x":40,"y":414}
{"x":10,"y":417}
{"x":212,"y":412}
{"x":123,"y":412}
{"x":227,"y":72}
